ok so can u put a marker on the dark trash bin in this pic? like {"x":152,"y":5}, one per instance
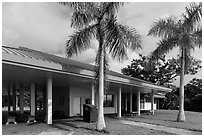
{"x":90,"y":113}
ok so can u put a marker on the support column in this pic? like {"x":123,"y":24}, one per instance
{"x":96,"y":97}
{"x":49,"y":100}
{"x":21,"y":94}
{"x":32,"y":99}
{"x":119,"y":102}
{"x":126,"y":103}
{"x":14,"y":98}
{"x":152,"y":101}
{"x":130,"y":102}
{"x":92,"y":94}
{"x":138,"y":102}
{"x":9,"y":102}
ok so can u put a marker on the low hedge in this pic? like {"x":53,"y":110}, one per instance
{"x":19,"y":117}
{"x":40,"y":116}
{"x":4,"y":117}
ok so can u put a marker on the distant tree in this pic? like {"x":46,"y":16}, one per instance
{"x":171,"y":100}
{"x":193,"y":95}
{"x":163,"y":72}
{"x":185,"y":33}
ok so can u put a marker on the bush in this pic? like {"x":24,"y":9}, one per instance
{"x":4,"y":117}
{"x":40,"y":116}
{"x":196,"y":103}
{"x":21,"y":118}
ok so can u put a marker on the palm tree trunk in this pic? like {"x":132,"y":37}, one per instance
{"x":101,"y":121}
{"x":181,"y":115}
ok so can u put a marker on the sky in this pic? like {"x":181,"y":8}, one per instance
{"x":45,"y":26}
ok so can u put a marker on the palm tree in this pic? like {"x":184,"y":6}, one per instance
{"x":99,"y":20}
{"x":185,"y":33}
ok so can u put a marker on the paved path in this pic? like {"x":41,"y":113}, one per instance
{"x":56,"y":133}
{"x":172,"y":130}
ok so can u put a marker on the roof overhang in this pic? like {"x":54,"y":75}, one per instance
{"x":44,"y":65}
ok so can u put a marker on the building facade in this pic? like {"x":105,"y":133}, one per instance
{"x":60,"y":86}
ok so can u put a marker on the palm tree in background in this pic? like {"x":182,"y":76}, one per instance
{"x":185,"y":33}
{"x":99,"y":20}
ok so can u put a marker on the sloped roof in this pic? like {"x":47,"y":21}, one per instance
{"x":53,"y":59}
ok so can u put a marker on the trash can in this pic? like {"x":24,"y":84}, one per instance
{"x":90,"y":113}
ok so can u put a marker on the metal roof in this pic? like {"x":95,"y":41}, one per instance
{"x":60,"y":61}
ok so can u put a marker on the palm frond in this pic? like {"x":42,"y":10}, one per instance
{"x":196,"y":38}
{"x":165,"y":45}
{"x":80,"y":40}
{"x":110,"y":8}
{"x":165,"y":28}
{"x":119,"y":38}
{"x":193,"y":15}
{"x":84,"y":13}
{"x":80,"y":20}
{"x":80,"y":6}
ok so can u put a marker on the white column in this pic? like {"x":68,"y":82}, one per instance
{"x":9,"y":102}
{"x":32,"y":99}
{"x":138,"y":102}
{"x":49,"y":100}
{"x":152,"y":101}
{"x":126,"y":103}
{"x":119,"y":102}
{"x":130,"y":102}
{"x":96,"y":97}
{"x":21,"y":92}
{"x":14,"y":97}
{"x":92,"y":94}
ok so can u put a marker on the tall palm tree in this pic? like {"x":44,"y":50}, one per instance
{"x":99,"y":20}
{"x":185,"y":33}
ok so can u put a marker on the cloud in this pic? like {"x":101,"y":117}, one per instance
{"x":46,"y":27}
{"x":41,"y":26}
{"x":10,"y":35}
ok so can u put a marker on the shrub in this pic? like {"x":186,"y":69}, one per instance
{"x":40,"y":116}
{"x":21,"y":118}
{"x":4,"y":117}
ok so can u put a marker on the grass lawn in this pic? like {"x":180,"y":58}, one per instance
{"x":113,"y":125}
{"x":168,"y":118}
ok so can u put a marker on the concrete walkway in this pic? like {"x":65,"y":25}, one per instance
{"x":172,"y":130}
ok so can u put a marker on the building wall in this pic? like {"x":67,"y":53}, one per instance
{"x":61,"y":100}
{"x":109,"y":110}
{"x":77,"y":97}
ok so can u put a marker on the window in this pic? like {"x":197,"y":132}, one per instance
{"x":108,"y":100}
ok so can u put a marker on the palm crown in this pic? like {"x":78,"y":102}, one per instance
{"x":89,"y":17}
{"x":185,"y":33}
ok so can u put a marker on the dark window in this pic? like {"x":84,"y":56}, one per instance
{"x":108,"y":100}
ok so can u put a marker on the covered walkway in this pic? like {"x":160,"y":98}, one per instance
{"x":59,"y":87}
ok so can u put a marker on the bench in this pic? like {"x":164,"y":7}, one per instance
{"x":132,"y":114}
{"x":31,"y":119}
{"x":11,"y":120}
